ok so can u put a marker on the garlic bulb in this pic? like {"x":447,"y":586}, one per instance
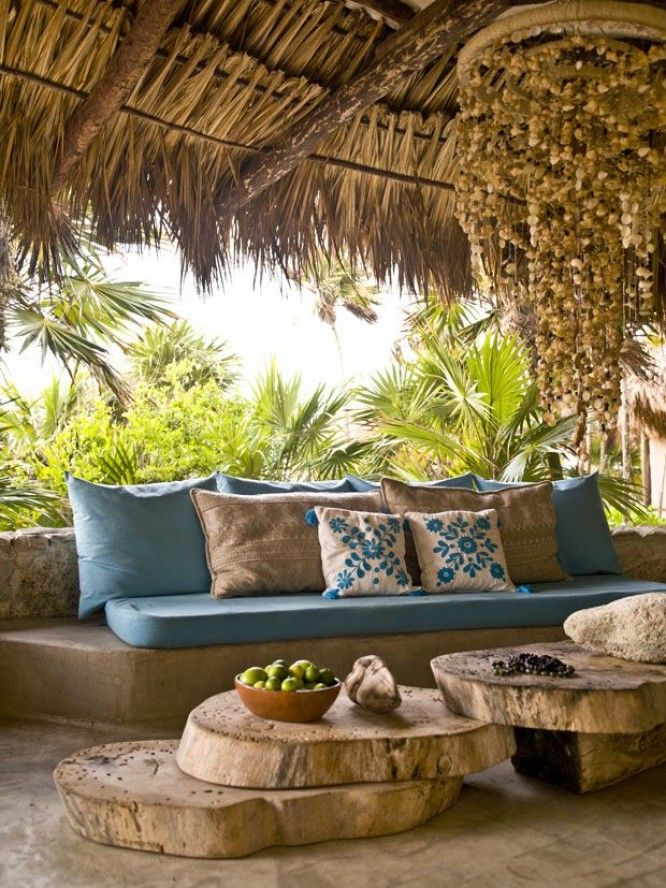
{"x":371,"y":685}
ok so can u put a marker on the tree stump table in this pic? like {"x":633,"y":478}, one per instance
{"x":259,"y":783}
{"x":223,"y":743}
{"x":605,"y":723}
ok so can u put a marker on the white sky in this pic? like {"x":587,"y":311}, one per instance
{"x":258,"y":323}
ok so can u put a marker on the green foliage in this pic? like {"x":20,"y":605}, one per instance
{"x":78,"y":315}
{"x":199,"y":360}
{"x":26,"y":504}
{"x":174,"y":430}
{"x":466,"y":401}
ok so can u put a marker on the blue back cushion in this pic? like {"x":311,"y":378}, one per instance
{"x":248,"y":486}
{"x":136,"y":540}
{"x":585,"y":543}
{"x":467,"y":481}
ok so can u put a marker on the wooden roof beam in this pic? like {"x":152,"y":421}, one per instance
{"x":394,"y":12}
{"x":120,"y":77}
{"x":429,"y":34}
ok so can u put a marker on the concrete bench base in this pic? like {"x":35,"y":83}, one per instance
{"x":63,"y":669}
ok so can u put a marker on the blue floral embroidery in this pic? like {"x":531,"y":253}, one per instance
{"x":371,"y":552}
{"x":465,"y":547}
{"x":345,"y":580}
{"x":338,"y":524}
{"x":445,"y":575}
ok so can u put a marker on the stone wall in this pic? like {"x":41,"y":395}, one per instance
{"x":39,"y":577}
{"x":642,"y":551}
{"x":38,"y":573}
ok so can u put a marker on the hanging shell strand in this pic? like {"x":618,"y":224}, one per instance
{"x":562,"y":164}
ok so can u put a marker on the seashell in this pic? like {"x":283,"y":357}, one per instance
{"x":372,"y":686}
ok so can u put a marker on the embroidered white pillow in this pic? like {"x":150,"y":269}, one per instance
{"x":460,"y":552}
{"x":362,"y":553}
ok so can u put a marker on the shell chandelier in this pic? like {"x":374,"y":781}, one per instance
{"x":562,"y":184}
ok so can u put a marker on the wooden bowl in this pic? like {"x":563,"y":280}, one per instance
{"x":288,"y":706}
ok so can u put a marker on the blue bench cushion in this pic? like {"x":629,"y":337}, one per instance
{"x":250,"y":486}
{"x":195,"y":620}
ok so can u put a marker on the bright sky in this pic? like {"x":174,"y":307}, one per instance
{"x":259,"y":321}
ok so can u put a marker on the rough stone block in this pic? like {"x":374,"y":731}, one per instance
{"x":38,"y":573}
{"x":632,"y":628}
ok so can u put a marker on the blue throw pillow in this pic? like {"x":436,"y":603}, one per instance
{"x":585,"y":543}
{"x":136,"y":540}
{"x":248,"y":486}
{"x":467,"y":481}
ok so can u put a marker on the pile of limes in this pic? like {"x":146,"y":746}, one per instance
{"x":302,"y":675}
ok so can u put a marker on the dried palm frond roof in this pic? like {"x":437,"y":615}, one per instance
{"x":647,"y":395}
{"x":160,"y":116}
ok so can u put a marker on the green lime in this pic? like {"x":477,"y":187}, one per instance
{"x":252,"y":675}
{"x":320,"y":687}
{"x":327,"y":677}
{"x":259,"y":684}
{"x":273,"y":684}
{"x":297,"y":669}
{"x":311,"y":674}
{"x":309,"y":685}
{"x":289,"y":684}
{"x":280,"y":662}
{"x":275,"y":670}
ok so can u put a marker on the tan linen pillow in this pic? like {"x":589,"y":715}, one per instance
{"x":460,"y":552}
{"x":261,"y":544}
{"x":526,"y":522}
{"x":362,"y":553}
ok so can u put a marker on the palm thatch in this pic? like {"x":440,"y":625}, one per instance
{"x":227,"y":80}
{"x":646,"y":396}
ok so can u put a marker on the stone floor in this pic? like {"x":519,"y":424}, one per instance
{"x":505,"y":831}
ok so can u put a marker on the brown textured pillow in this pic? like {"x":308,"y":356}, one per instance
{"x":261,"y":544}
{"x":526,"y":522}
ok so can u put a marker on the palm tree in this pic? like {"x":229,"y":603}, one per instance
{"x":24,"y":426}
{"x":199,"y":360}
{"x":336,"y":284}
{"x":298,"y":434}
{"x":78,"y":315}
{"x":469,"y":402}
{"x":464,"y":409}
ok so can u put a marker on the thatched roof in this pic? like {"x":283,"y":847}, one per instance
{"x":647,"y":396}
{"x":172,"y":132}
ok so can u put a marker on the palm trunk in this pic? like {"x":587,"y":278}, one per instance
{"x":625,"y":432}
{"x":646,"y":470}
{"x":6,"y":275}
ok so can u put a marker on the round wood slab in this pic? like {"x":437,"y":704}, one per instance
{"x":134,"y":795}
{"x":606,"y":695}
{"x":225,"y":744}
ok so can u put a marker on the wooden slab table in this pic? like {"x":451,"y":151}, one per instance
{"x":223,"y":743}
{"x":237,"y":783}
{"x":604,"y":724}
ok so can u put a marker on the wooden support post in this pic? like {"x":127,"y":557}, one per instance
{"x":429,"y":34}
{"x":119,"y":79}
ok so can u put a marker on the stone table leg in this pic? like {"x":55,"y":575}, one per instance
{"x":585,"y":762}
